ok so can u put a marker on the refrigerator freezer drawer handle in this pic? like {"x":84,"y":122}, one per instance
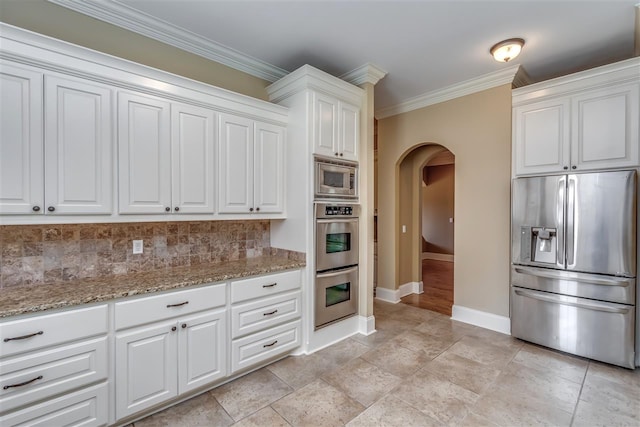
{"x":588,"y":306}
{"x":594,"y":281}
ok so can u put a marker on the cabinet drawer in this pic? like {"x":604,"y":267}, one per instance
{"x":165,"y":306}
{"x":86,"y":408}
{"x":261,"y":346}
{"x":54,"y":371}
{"x":36,"y":332}
{"x":264,"y":313}
{"x":256,"y":287}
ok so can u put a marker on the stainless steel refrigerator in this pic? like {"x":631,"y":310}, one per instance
{"x":573,"y":252}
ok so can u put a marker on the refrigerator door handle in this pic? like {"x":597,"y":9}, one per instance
{"x":583,"y":304}
{"x":622,"y":282}
{"x":571,"y":210}
{"x":560,"y":215}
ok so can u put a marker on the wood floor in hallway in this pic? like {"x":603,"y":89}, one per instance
{"x":437,"y":278}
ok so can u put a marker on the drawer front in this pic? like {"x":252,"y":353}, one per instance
{"x":86,"y":408}
{"x":36,"y":332}
{"x":165,"y":306}
{"x":594,"y":329}
{"x":264,"y":313}
{"x":43,"y":374}
{"x":257,"y":287}
{"x":259,"y":347}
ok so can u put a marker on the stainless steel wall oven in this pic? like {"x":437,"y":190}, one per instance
{"x":336,"y":295}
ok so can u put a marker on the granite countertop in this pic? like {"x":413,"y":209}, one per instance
{"x":30,"y":299}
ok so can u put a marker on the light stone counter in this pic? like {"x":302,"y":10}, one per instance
{"x":35,"y":298}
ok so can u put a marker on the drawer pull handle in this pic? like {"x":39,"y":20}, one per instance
{"x":24,"y":336}
{"x":270,"y":313}
{"x":270,"y":345}
{"x":177,"y":305}
{"x":21,"y":384}
{"x":271,"y":285}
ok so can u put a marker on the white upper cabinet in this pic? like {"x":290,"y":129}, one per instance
{"x":192,"y":157}
{"x":585,"y":121}
{"x":605,"y":124}
{"x":144,"y":154}
{"x":21,"y":141}
{"x":251,"y":166}
{"x":78,"y":147}
{"x":269,"y":171}
{"x":336,"y":127}
{"x":542,"y":134}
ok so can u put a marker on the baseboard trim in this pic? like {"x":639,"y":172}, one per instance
{"x":437,"y":257}
{"x":366,"y":325}
{"x":483,"y":319}
{"x":393,"y":296}
{"x":329,"y":335}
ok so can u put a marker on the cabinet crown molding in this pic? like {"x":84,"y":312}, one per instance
{"x":367,"y":73}
{"x":606,"y":75}
{"x":308,"y":77}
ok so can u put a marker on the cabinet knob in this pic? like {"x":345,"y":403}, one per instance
{"x":184,"y":325}
{"x":51,"y":209}
{"x":167,"y":209}
{"x":173,"y":329}
{"x":336,"y":154}
{"x":250,"y":209}
{"x":257,"y":209}
{"x":36,"y":208}
{"x":176,"y":209}
{"x":341,"y":154}
{"x":574,"y":167}
{"x":566,"y":167}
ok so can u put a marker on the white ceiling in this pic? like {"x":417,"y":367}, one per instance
{"x":423,"y":45}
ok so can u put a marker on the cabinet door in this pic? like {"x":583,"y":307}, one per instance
{"x":192,"y":153}
{"x":541,"y":135}
{"x":349,"y":131}
{"x":146,"y":364}
{"x":144,"y":153}
{"x":21,"y":146}
{"x":269,"y":168}
{"x":605,"y":128}
{"x":202,"y":346}
{"x":235,"y":164}
{"x":78,"y":147}
{"x":325,"y":125}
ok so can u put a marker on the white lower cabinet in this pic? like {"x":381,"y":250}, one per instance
{"x":169,"y":356}
{"x":54,"y":369}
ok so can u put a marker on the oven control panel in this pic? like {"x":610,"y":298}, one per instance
{"x":331,"y":210}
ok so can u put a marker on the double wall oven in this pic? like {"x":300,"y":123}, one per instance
{"x":336,"y":293}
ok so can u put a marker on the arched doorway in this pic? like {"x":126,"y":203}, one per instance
{"x":437,"y":190}
{"x":425,"y":196}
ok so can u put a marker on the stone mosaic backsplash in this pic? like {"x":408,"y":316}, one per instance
{"x":38,"y":254}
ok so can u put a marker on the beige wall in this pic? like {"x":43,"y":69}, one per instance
{"x":55,"y":21}
{"x":477,"y":130}
{"x":437,"y":208}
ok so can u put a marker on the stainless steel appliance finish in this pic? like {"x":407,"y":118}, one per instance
{"x":574,"y":263}
{"x":336,"y":235}
{"x":336,"y":295}
{"x":335,"y":180}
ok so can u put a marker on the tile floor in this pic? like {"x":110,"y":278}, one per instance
{"x":420,"y":369}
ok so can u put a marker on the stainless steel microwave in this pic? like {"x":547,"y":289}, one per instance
{"x":336,"y":180}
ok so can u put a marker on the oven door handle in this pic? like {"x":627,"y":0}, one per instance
{"x":336,"y":220}
{"x":337,"y":273}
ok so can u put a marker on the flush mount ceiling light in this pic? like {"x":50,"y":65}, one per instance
{"x":506,"y":50}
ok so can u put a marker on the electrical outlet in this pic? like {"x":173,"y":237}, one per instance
{"x":451,"y":220}
{"x":138,"y":246}
{"x":404,"y":228}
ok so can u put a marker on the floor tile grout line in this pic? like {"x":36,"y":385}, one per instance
{"x":584,"y":379}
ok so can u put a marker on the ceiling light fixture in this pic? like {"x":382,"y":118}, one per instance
{"x":506,"y":50}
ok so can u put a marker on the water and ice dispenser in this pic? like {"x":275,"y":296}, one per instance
{"x":538,"y":244}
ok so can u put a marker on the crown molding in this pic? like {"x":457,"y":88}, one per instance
{"x":115,"y":13}
{"x":367,"y":73}
{"x":466,"y":87}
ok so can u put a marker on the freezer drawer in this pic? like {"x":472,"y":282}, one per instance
{"x":592,"y":286}
{"x":594,"y":329}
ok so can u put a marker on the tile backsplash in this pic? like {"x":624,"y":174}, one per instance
{"x":35,"y":254}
